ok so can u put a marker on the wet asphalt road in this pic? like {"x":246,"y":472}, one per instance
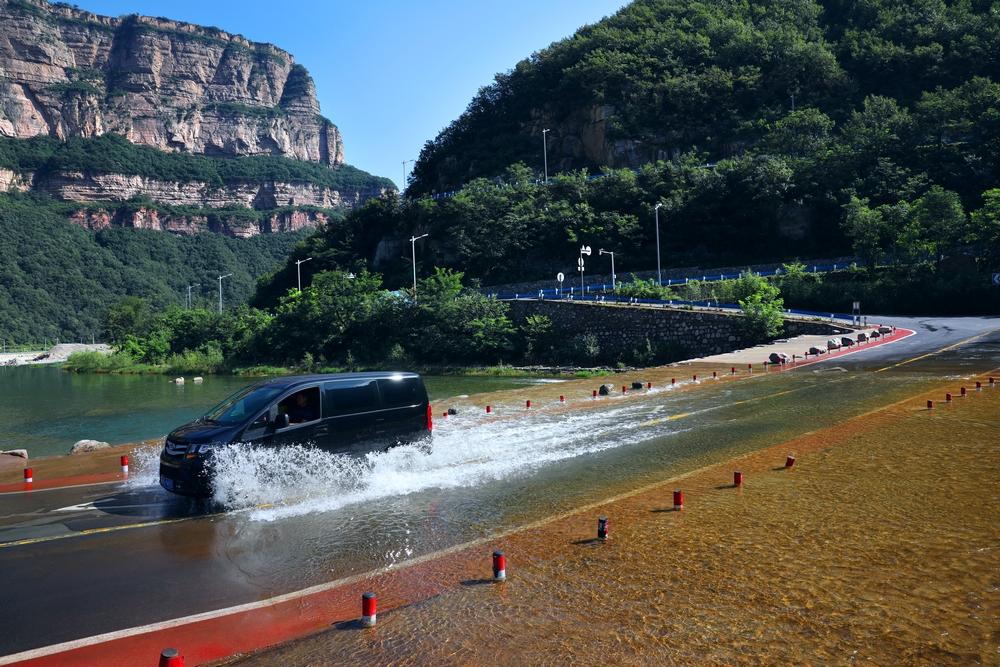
{"x":187,"y":559}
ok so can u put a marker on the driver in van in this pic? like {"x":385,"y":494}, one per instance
{"x":301,"y":410}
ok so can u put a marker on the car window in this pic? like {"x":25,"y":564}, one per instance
{"x":242,"y":404}
{"x":302,"y":406}
{"x":401,"y":392}
{"x":347,"y":398}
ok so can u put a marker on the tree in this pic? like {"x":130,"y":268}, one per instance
{"x":129,"y":316}
{"x":762,"y":314}
{"x":941,"y":220}
{"x":867,"y":229}
{"x":986,"y":231}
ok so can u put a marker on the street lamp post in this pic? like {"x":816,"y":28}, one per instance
{"x":545,"y":155}
{"x":413,"y":244}
{"x":659,"y":278}
{"x":298,"y":270}
{"x":614,"y":284}
{"x":220,"y":291}
{"x":189,"y":294}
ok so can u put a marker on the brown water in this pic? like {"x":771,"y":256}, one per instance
{"x":880,"y":547}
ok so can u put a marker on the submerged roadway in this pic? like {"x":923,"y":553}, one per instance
{"x":88,"y":560}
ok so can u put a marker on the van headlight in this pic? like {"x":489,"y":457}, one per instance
{"x":195,"y":451}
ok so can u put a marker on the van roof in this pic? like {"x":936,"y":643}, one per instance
{"x":292,"y":380}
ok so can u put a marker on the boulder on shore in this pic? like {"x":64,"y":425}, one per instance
{"x":20,"y":453}
{"x":82,"y":446}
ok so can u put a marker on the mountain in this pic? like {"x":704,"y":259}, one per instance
{"x":67,"y":73}
{"x":664,"y":77}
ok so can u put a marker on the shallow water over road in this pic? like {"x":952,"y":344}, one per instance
{"x":327,"y":519}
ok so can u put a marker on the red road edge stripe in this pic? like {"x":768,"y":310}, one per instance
{"x":215,"y":635}
{"x":884,"y":340}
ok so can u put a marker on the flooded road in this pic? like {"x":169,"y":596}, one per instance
{"x":302,"y":519}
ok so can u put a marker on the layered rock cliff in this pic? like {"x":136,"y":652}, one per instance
{"x":65,"y":72}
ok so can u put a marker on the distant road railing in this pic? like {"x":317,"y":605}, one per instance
{"x":668,"y":303}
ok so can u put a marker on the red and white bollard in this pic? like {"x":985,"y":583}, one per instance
{"x":499,"y":566}
{"x":992,"y":382}
{"x":603,"y":530}
{"x":489,"y":409}
{"x":445,"y":415}
{"x":930,"y":405}
{"x":765,"y":365}
{"x":947,"y":398}
{"x":170,"y":657}
{"x":734,"y":370}
{"x":750,"y":367}
{"x":678,"y":500}
{"x":124,"y":461}
{"x":963,"y":394}
{"x":789,"y":461}
{"x":649,"y":385}
{"x":737,"y":478}
{"x":527,"y":405}
{"x":28,"y":478}
{"x":673,"y":382}
{"x":595,"y":393}
{"x":562,"y":399}
{"x":624,"y":390}
{"x":715,"y":376}
{"x":695,"y":379}
{"x":368,"y":617}
{"x":979,"y":385}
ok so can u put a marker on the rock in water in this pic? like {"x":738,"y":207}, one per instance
{"x":82,"y":446}
{"x":604,"y":390}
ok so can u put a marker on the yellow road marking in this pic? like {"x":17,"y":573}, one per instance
{"x":943,"y":349}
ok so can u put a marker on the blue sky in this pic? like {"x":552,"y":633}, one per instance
{"x":390,"y":74}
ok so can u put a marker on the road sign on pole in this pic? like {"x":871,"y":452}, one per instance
{"x":560,"y":277}
{"x":996,"y":278}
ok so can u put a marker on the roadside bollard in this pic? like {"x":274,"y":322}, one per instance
{"x":963,"y":394}
{"x":649,"y":385}
{"x":750,"y":367}
{"x":979,"y":385}
{"x":489,"y":409}
{"x":170,"y":657}
{"x":930,"y":405}
{"x":734,"y":370}
{"x":499,"y":566}
{"x":624,"y":390}
{"x":789,"y":461}
{"x":368,"y":616}
{"x":673,"y":382}
{"x":715,"y":376}
{"x":737,"y":478}
{"x":947,"y":398}
{"x":445,"y":415}
{"x":602,"y":528}
{"x":562,"y":399}
{"x":992,"y":382}
{"x":595,"y":393}
{"x":765,"y":365}
{"x":28,"y":479}
{"x":124,"y":465}
{"x":527,"y":405}
{"x":695,"y":378}
{"x":678,"y":500}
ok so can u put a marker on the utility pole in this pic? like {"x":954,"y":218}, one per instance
{"x":189,"y":294}
{"x":403,"y":188}
{"x":413,"y":244}
{"x":545,"y":154}
{"x":298,"y":270}
{"x":793,"y":101}
{"x":659,"y":278}
{"x":220,"y":291}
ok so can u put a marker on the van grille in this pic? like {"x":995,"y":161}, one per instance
{"x":175,"y":448}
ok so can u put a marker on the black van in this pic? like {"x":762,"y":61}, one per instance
{"x":350,"y":413}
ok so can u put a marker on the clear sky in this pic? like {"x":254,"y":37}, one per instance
{"x":391,"y":74}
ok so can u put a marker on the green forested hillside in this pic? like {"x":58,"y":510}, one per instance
{"x":716,"y":77}
{"x":57,"y":280}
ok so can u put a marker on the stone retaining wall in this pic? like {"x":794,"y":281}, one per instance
{"x":624,"y":328}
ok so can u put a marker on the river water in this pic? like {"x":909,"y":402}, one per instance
{"x":45,"y":410}
{"x":878,"y":546}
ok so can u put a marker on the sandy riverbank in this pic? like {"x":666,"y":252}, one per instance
{"x":54,"y":355}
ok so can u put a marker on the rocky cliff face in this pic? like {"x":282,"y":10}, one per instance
{"x":175,"y":86}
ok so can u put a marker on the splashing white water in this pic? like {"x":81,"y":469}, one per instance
{"x":468,"y":450}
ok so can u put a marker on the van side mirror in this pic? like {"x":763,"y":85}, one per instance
{"x":281,"y":421}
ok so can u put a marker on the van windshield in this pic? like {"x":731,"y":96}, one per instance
{"x":242,"y":404}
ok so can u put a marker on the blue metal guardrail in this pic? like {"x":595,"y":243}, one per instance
{"x":664,"y":303}
{"x":584,"y":294}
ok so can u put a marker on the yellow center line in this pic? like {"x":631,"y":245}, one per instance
{"x":943,"y":349}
